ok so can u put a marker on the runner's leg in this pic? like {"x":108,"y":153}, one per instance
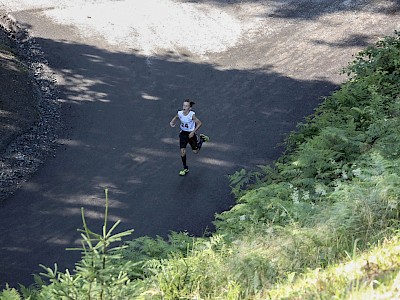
{"x":183,"y":141}
{"x":183,"y":157}
{"x":194,"y":143}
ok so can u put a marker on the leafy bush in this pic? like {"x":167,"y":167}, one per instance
{"x":201,"y":274}
{"x":336,"y":186}
{"x":359,"y":119}
{"x":372,"y":275}
{"x":100,"y":274}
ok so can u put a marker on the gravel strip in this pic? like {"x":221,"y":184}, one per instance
{"x":27,"y":152}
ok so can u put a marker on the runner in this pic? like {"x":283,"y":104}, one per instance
{"x":190,"y":124}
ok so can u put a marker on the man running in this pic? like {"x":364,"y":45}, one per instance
{"x":190,"y":124}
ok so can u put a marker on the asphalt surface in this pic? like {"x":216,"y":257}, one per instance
{"x":116,"y":108}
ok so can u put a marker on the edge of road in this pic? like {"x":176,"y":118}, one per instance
{"x":23,"y":155}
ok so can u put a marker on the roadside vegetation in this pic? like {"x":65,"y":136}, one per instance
{"x":321,"y":223}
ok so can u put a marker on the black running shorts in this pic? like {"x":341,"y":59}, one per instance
{"x":184,"y":140}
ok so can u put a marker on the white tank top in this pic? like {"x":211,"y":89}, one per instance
{"x":187,"y":122}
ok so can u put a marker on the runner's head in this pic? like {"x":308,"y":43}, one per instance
{"x":187,"y":105}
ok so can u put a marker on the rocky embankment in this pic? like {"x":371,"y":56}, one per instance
{"x":29,"y":110}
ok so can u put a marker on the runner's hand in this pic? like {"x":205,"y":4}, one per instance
{"x":172,"y":124}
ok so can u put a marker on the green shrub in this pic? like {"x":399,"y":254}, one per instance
{"x":100,"y":274}
{"x":10,"y":294}
{"x":201,"y":274}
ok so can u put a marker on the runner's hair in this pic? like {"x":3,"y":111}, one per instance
{"x":190,"y":101}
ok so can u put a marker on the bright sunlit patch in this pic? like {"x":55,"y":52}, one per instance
{"x":149,"y":97}
{"x":152,"y":25}
{"x":102,"y":184}
{"x":153,"y":152}
{"x":170,"y":141}
{"x":94,"y":58}
{"x":222,"y":147}
{"x":139,"y":158}
{"x":90,"y":214}
{"x":73,"y":143}
{"x":81,"y":90}
{"x":16,"y":249}
{"x":58,"y":241}
{"x":134,"y":181}
{"x":4,"y":113}
{"x":216,"y":162}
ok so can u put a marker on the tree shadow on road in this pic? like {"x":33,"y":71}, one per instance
{"x":311,"y":9}
{"x":116,"y":107}
{"x":353,"y":40}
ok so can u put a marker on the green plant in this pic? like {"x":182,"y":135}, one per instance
{"x":200,"y":274}
{"x":9,"y":294}
{"x":100,"y":274}
{"x":143,"y":249}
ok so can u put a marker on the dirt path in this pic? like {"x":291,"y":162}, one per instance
{"x":117,"y":101}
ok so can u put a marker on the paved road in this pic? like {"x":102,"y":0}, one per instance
{"x":116,"y":106}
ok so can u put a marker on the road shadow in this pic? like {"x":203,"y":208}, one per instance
{"x":353,"y":40}
{"x":116,"y":109}
{"x":312,"y":9}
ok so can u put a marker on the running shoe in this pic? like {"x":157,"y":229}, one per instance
{"x":204,"y":138}
{"x":183,"y":172}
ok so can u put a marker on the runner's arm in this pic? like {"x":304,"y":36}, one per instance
{"x":173,"y":121}
{"x":198,"y":125}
